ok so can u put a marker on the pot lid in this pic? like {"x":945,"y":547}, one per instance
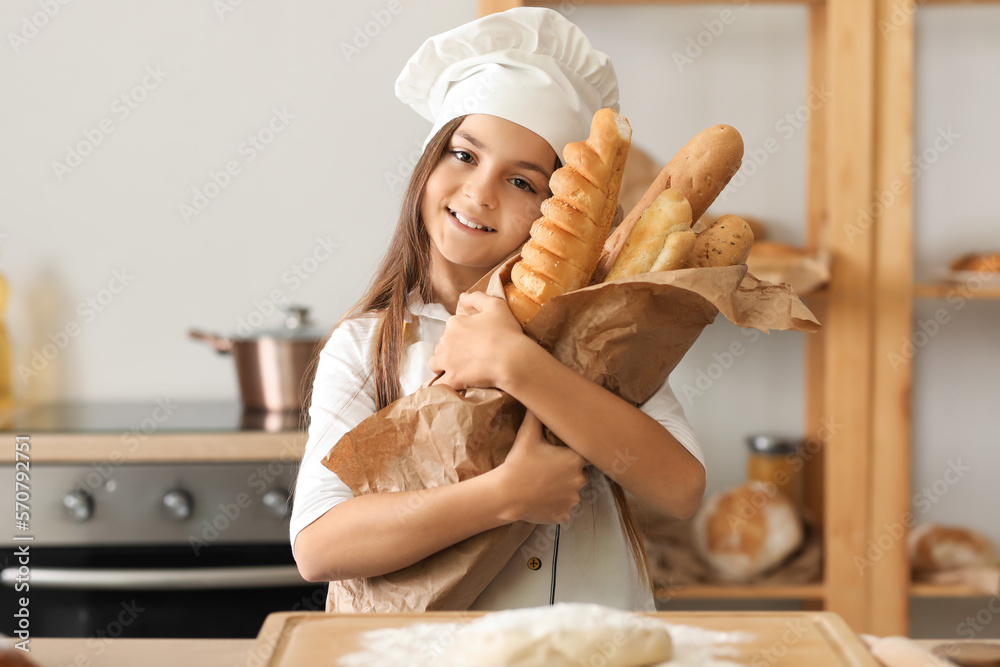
{"x":296,"y":325}
{"x":772,"y":444}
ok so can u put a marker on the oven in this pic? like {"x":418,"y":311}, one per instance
{"x":166,"y":549}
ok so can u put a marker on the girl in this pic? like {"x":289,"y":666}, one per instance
{"x":506,"y":93}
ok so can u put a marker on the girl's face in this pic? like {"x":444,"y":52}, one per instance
{"x":484,"y":193}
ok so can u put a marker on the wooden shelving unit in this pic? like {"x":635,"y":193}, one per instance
{"x":856,"y":142}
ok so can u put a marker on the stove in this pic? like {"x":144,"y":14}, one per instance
{"x":198,"y":543}
{"x":161,"y":416}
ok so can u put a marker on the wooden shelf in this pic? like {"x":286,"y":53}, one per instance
{"x":799,"y":592}
{"x":736,"y":592}
{"x":950,"y":591}
{"x":946,"y":290}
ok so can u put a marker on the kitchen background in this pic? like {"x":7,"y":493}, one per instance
{"x":201,"y":164}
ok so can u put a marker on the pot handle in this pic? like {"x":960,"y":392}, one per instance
{"x":221,"y":344}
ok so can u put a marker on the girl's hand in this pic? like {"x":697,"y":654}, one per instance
{"x":477,"y":342}
{"x":542,"y":481}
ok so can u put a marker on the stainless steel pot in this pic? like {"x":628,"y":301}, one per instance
{"x":273,"y":367}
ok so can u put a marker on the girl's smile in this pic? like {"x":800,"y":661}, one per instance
{"x":469,"y":223}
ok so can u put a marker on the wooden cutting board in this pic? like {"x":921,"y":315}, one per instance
{"x":816,"y":639}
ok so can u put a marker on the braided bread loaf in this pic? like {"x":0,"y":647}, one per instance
{"x":566,"y":242}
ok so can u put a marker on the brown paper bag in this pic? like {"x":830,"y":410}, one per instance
{"x":627,"y":335}
{"x":433,"y":437}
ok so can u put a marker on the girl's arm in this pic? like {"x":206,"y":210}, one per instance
{"x":374,"y":534}
{"x":483,"y":346}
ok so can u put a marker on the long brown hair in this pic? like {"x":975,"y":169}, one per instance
{"x":406,"y":267}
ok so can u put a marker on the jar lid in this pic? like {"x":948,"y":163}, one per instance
{"x":773,"y":444}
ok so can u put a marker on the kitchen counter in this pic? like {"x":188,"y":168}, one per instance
{"x":159,"y":432}
{"x":51,"y":448}
{"x":48,"y":652}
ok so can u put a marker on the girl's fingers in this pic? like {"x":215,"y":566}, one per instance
{"x":465,"y":307}
{"x":530,"y":420}
{"x":474,"y":299}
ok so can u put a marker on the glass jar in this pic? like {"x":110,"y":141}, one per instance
{"x":776,"y":460}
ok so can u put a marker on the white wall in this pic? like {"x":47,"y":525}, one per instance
{"x":223,"y":79}
{"x":329,"y":174}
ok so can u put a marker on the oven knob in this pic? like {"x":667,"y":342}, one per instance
{"x":276,"y":502}
{"x":178,"y":504}
{"x":79,"y":505}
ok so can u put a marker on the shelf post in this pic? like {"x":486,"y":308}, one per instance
{"x":891,"y":514}
{"x":847,"y":393}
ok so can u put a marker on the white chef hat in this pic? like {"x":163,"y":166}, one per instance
{"x":528,"y":65}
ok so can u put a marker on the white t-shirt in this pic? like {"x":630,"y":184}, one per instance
{"x":594,"y":563}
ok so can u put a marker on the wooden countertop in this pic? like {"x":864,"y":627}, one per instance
{"x":50,"y":652}
{"x":143,"y":432}
{"x":202,"y":447}
{"x":47,"y":652}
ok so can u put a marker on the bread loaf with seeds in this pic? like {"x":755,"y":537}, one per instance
{"x":726,"y":243}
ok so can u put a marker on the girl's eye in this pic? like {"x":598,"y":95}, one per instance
{"x":462,"y":156}
{"x":522,"y":184}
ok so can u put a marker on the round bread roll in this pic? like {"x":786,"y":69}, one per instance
{"x":936,"y":548}
{"x":707,"y":220}
{"x":988,"y":263}
{"x":746,"y":531}
{"x":726,"y":243}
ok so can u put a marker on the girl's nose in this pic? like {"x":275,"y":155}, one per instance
{"x":481,"y":189}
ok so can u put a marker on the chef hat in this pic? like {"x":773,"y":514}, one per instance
{"x":528,"y":65}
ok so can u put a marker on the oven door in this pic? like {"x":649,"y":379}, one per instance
{"x":155,"y":591}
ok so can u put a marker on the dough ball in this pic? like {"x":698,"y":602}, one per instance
{"x":563,"y":635}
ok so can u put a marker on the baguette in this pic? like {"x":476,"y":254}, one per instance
{"x":566,"y":242}
{"x":661,"y":239}
{"x":700,"y":171}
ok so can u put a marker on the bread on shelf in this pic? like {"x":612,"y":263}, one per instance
{"x":806,"y":271}
{"x":747,"y":531}
{"x":983,"y":263}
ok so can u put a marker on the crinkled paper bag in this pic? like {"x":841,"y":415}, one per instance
{"x":433,"y":437}
{"x":626,"y":335}
{"x":629,"y":334}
